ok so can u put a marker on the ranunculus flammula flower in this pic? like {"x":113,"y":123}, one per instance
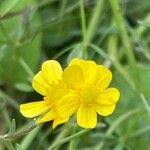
{"x":81,"y":88}
{"x":89,"y":93}
{"x":47,"y":82}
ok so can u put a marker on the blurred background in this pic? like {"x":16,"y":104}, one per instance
{"x":115,"y":33}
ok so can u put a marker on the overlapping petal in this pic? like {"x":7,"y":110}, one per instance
{"x":39,"y":84}
{"x":50,"y":115}
{"x":68,"y":104}
{"x":105,"y":110}
{"x":103,"y":77}
{"x":109,"y":97}
{"x":88,"y":67}
{"x":86,"y":116}
{"x":58,"y":121}
{"x":34,"y":109}
{"x":73,"y":77}
{"x":51,"y":73}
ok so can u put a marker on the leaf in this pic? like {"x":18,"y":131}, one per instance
{"x":23,"y":87}
{"x":144,"y":23}
{"x":11,"y":70}
{"x":7,"y":5}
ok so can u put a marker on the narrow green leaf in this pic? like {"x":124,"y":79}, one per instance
{"x":24,"y":87}
{"x":7,"y":6}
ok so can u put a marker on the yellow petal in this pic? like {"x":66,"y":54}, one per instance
{"x":57,"y":121}
{"x":76,"y":61}
{"x":39,"y":84}
{"x":86,"y":116}
{"x":68,"y":105}
{"x":50,"y":115}
{"x":73,"y":77}
{"x":109,"y":97}
{"x":51,"y":71}
{"x":105,"y":110}
{"x":33,"y":109}
{"x":103,"y":77}
{"x":88,"y":67}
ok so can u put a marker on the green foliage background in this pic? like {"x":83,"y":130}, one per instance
{"x":111,"y":32}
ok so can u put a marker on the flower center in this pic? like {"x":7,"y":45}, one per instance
{"x":88,"y":96}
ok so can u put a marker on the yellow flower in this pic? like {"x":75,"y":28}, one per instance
{"x":81,"y":88}
{"x":88,"y":93}
{"x":47,"y":82}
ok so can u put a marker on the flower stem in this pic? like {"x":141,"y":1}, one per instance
{"x":115,"y":125}
{"x":69,"y":138}
{"x":18,"y":134}
{"x":83,"y":24}
{"x":126,"y":41}
{"x":95,"y":19}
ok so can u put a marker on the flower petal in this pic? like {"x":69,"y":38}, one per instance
{"x":105,"y":110}
{"x":88,"y":67}
{"x":58,"y":121}
{"x":86,"y":116}
{"x":52,"y":71}
{"x":109,"y":97}
{"x":50,"y":115}
{"x":39,"y":83}
{"x":103,"y":77}
{"x":73,"y":77}
{"x":33,"y":109}
{"x":68,"y":105}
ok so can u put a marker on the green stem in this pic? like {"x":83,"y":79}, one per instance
{"x":18,"y":134}
{"x":145,"y":102}
{"x":115,"y":125}
{"x":126,"y":41}
{"x":69,"y":138}
{"x":29,"y":138}
{"x":72,"y":144}
{"x":95,"y":19}
{"x":112,"y":51}
{"x":9,"y":145}
{"x":83,"y":24}
{"x":139,"y":132}
{"x":63,"y":134}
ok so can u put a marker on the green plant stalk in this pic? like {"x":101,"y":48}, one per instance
{"x":142,"y":29}
{"x":9,"y":145}
{"x":72,"y":144}
{"x":139,"y":132}
{"x":29,"y":138}
{"x":147,"y":107}
{"x":18,"y":134}
{"x":62,"y":10}
{"x":26,"y":67}
{"x":65,"y":130}
{"x":126,"y":41}
{"x":112,"y":52}
{"x":95,"y":19}
{"x":115,"y":125}
{"x":83,"y":24}
{"x":69,"y":138}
